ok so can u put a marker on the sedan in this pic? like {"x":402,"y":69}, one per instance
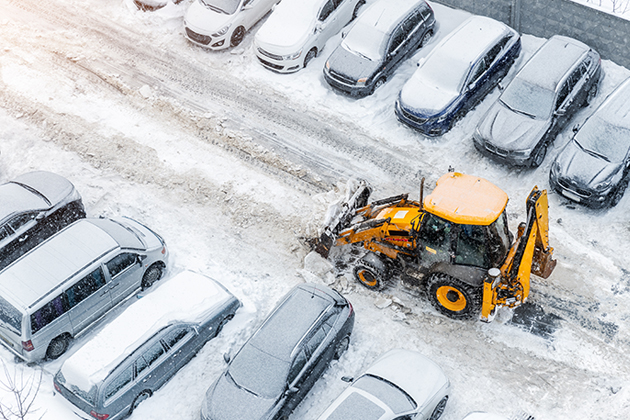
{"x":219,"y":24}
{"x":34,"y":206}
{"x":400,"y":385}
{"x":559,"y":79}
{"x":134,"y":355}
{"x":594,"y":167}
{"x":297,"y":31}
{"x":280,"y":363}
{"x":457,"y":74}
{"x":386,"y":34}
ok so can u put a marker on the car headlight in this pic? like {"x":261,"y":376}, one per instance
{"x":603,"y":186}
{"x":362,"y":81}
{"x":555,"y":167}
{"x":521,"y":153}
{"x":222,"y":31}
{"x":292,"y":56}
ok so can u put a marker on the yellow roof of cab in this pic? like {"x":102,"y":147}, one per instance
{"x":466,"y":200}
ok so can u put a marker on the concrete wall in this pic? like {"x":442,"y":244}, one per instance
{"x":607,"y":33}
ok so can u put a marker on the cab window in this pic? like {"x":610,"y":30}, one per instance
{"x":471,"y":246}
{"x":435,"y":233}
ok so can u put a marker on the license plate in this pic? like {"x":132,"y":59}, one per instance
{"x":571,"y":195}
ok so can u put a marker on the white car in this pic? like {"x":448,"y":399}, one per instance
{"x":219,"y":24}
{"x":401,"y":384}
{"x":297,"y":31}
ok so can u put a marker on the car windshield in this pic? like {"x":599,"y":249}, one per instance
{"x":259,"y":372}
{"x":527,"y":98}
{"x":366,"y":41}
{"x":604,"y":139}
{"x":357,"y":407}
{"x":395,"y":398}
{"x":444,"y":72}
{"x":227,"y":7}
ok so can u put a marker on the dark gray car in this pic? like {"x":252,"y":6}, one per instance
{"x":34,"y":206}
{"x":387,"y":33}
{"x":594,"y":167}
{"x":559,"y":79}
{"x":283,"y":359}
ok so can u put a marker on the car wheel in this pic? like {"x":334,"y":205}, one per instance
{"x":380,"y":82}
{"x":141,"y":397}
{"x":57,"y":347}
{"x":342,"y":347}
{"x":311,"y":54}
{"x":237,"y":36}
{"x":452,"y":297}
{"x":439,"y":409}
{"x":371,"y":272}
{"x":427,"y":36}
{"x":153,"y":274}
{"x":619,"y":192}
{"x":539,"y":155}
{"x":355,"y":13}
{"x":590,"y":95}
{"x":222,"y":324}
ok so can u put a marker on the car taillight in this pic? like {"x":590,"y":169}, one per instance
{"x":57,"y":387}
{"x":163,"y":250}
{"x":28,"y":345}
{"x":99,"y":416}
{"x":351,"y":309}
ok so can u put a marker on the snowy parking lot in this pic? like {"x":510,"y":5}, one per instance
{"x":235,"y":166}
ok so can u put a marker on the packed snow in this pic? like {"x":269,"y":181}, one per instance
{"x":148,"y":126}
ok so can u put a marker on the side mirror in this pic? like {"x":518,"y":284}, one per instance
{"x":343,"y":34}
{"x":227,"y":357}
{"x":318,"y":27}
{"x":291,"y":390}
{"x":141,"y":258}
{"x":40,"y":216}
{"x":576,"y":128}
{"x":348,"y":379}
{"x":560,"y":112}
{"x":501,"y":87}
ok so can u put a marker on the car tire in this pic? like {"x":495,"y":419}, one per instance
{"x":619,"y":192}
{"x":237,"y":36}
{"x":379,"y":82}
{"x":57,"y":347}
{"x":355,"y":13}
{"x":425,"y":38}
{"x":141,"y":397}
{"x":222,"y":323}
{"x":309,"y":56}
{"x":590,"y":95}
{"x":539,"y":155}
{"x":453,"y":297}
{"x":371,"y":271}
{"x":341,"y":347}
{"x":153,"y":274}
{"x":439,"y":409}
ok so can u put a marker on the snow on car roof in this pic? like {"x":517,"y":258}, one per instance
{"x":36,"y":274}
{"x":384,"y":15}
{"x":187,"y":297}
{"x":14,"y":199}
{"x":547,"y":67}
{"x":616,"y":108}
{"x":289,"y":16}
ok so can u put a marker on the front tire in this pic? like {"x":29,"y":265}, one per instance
{"x":539,"y":155}
{"x":153,"y":274}
{"x":309,"y":56}
{"x":355,"y":13}
{"x":379,"y":82}
{"x":439,"y":409}
{"x":453,"y":297}
{"x":371,"y":271}
{"x":619,"y":191}
{"x":237,"y":36}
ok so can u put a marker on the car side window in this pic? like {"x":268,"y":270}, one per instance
{"x":326,"y":10}
{"x":149,"y":356}
{"x":4,"y":232}
{"x":562,"y":95}
{"x":47,"y":314}
{"x":175,"y":336}
{"x":119,"y":382}
{"x":479,"y":69}
{"x":494,"y":52}
{"x":297,"y":366}
{"x":85,"y":287}
{"x":317,"y":339}
{"x":397,"y":38}
{"x":412,"y":23}
{"x":20,"y":220}
{"x":120,"y":263}
{"x":246,"y":2}
{"x":425,"y":13}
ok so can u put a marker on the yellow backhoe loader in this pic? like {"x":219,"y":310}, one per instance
{"x":456,"y":242}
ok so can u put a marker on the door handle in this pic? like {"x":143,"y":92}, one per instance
{"x":115,"y":285}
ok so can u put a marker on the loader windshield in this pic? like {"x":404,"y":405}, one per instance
{"x":483,"y":246}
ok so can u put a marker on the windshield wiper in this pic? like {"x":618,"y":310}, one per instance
{"x":592,"y":152}
{"x":518,"y":111}
{"x":213,"y":7}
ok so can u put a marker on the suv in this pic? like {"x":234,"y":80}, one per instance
{"x":285,"y":47}
{"x":387,"y":33}
{"x":280,"y":363}
{"x":68,"y":282}
{"x":559,"y":79}
{"x":34,"y":206}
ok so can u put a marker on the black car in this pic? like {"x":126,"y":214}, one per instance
{"x":283,"y":359}
{"x":559,"y":79}
{"x":382,"y":37}
{"x":33,"y":207}
{"x":594,"y":167}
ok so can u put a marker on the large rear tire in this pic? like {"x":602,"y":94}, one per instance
{"x":371,"y":271}
{"x":453,"y":297}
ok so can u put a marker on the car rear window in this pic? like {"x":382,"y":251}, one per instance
{"x":387,"y":392}
{"x":10,"y":316}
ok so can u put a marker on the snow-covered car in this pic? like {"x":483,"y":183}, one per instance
{"x":280,"y":363}
{"x":134,"y":355}
{"x":219,"y":24}
{"x":594,"y":167}
{"x":153,"y":5}
{"x":381,"y":38}
{"x":34,"y":206}
{"x":559,"y":79}
{"x":457,"y":74}
{"x":297,"y":31}
{"x":399,"y":385}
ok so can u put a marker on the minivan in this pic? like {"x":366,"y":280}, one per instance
{"x":134,"y":355}
{"x":55,"y":291}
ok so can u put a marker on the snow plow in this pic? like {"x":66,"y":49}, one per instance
{"x":455,"y":242}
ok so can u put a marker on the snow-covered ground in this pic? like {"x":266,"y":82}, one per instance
{"x":234,"y":166}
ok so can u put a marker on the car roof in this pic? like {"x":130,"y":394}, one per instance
{"x":466,"y":199}
{"x":552,"y":61}
{"x":14,"y":198}
{"x":384,"y":15}
{"x":471,"y":39}
{"x":616,"y":107}
{"x":291,"y":320}
{"x":44,"y":268}
{"x":188,"y":297}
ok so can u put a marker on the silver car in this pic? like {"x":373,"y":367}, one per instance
{"x":127,"y":361}
{"x":399,"y":385}
{"x":33,"y":206}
